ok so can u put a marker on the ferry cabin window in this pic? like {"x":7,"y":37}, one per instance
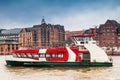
{"x":48,"y":55}
{"x":60,"y":55}
{"x":14,"y":55}
{"x":29,"y":55}
{"x":42,"y":55}
{"x":35,"y":55}
{"x":54,"y":55}
{"x":81,"y":42}
{"x":18,"y":55}
{"x":80,"y":55}
{"x":86,"y":41}
{"x":93,"y":42}
{"x":23,"y":55}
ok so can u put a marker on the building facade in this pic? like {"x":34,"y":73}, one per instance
{"x":13,"y":34}
{"x":9,"y":40}
{"x":7,"y":45}
{"x":47,"y":35}
{"x":26,"y":37}
{"x":109,"y":35}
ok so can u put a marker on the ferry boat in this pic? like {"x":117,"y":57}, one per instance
{"x":84,"y":52}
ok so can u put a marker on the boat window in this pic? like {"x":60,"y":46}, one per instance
{"x":29,"y":55}
{"x":36,"y":56}
{"x":14,"y":55}
{"x":26,"y":55}
{"x":23,"y":55}
{"x":93,"y":42}
{"x":18,"y":55}
{"x":60,"y":55}
{"x":80,"y":55}
{"x":42,"y":55}
{"x":81,"y":42}
{"x":48,"y":55}
{"x":54,"y":55}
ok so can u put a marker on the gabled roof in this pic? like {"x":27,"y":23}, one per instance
{"x":113,"y":22}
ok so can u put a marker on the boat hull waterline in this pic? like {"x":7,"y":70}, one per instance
{"x":60,"y":64}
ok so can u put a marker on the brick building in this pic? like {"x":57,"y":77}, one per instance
{"x":7,"y":45}
{"x":26,"y":37}
{"x":109,"y":34}
{"x":47,"y":35}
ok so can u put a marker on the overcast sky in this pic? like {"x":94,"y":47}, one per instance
{"x":73,"y":14}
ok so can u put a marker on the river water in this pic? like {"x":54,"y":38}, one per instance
{"x":60,"y":73}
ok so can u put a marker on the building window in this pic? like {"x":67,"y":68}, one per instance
{"x":16,"y":46}
{"x":35,"y":37}
{"x":118,"y":37}
{"x":43,"y":35}
{"x":113,"y":38}
{"x":48,"y":36}
{"x":112,"y":30}
{"x":1,"y":49}
{"x":8,"y":47}
{"x":12,"y":46}
{"x":107,"y":30}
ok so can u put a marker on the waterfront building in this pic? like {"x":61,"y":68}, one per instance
{"x":11,"y":34}
{"x":48,"y":35}
{"x":7,"y":45}
{"x":26,"y":37}
{"x":109,"y":35}
{"x":9,"y":40}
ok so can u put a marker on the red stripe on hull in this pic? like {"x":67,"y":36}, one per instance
{"x":75,"y":50}
{"x":26,"y":51}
